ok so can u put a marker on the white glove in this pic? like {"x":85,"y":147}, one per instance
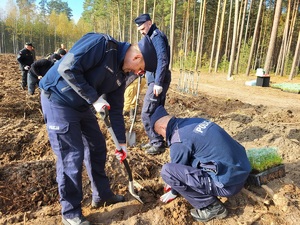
{"x":157,"y":90}
{"x":167,"y":197}
{"x":100,"y":105}
{"x":26,"y":67}
{"x":121,"y":155}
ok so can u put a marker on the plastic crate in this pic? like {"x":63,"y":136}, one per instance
{"x":266,"y":176}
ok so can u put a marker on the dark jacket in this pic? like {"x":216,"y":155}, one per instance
{"x":161,"y":45}
{"x":25,"y":58}
{"x":40,"y":67}
{"x":200,"y":143}
{"x":91,"y":68}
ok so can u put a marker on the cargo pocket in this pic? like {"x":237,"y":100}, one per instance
{"x":58,"y":137}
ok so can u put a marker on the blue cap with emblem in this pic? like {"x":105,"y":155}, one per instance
{"x":158,"y":113}
{"x":142,"y":19}
{"x":149,"y":53}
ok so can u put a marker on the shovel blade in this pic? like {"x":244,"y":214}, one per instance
{"x":131,"y":138}
{"x":132,"y":192}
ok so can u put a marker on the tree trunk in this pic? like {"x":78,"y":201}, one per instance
{"x":172,"y":33}
{"x":247,"y":26}
{"x":273,"y":37}
{"x":228,"y":31}
{"x":240,"y":39}
{"x":220,"y":36}
{"x":296,"y":60}
{"x":186,"y":32}
{"x":233,"y":44}
{"x":254,"y":37}
{"x":198,"y":35}
{"x":214,"y":39}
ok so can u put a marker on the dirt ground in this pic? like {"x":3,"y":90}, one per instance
{"x":254,"y":116}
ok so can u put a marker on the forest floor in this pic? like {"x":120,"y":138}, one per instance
{"x":255,"y":116}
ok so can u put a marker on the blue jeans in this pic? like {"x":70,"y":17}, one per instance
{"x":75,"y":137}
{"x":195,"y":185}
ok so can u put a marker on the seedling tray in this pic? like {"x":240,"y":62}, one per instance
{"x":265,"y":176}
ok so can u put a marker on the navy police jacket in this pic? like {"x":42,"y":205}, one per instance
{"x":91,"y":68}
{"x":25,"y":58}
{"x":202,"y":144}
{"x":162,"y":48}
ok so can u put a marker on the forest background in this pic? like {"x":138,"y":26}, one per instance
{"x":233,"y":36}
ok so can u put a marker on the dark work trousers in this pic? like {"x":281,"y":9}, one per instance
{"x":32,"y":81}
{"x":76,"y":137}
{"x":195,"y":185}
{"x":24,"y":78}
{"x":151,"y":102}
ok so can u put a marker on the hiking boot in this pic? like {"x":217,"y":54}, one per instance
{"x":76,"y":221}
{"x":113,"y":200}
{"x":155,"y":150}
{"x":214,"y":210}
{"x":146,"y":146}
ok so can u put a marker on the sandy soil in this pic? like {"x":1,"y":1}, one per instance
{"x":254,"y":116}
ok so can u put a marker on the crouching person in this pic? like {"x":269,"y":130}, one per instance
{"x":206,"y":162}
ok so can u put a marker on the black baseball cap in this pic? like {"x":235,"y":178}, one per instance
{"x":149,"y":53}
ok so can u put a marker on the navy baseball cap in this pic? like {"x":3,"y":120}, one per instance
{"x":29,"y":44}
{"x":142,"y":19}
{"x":158,"y":113}
{"x":149,"y":53}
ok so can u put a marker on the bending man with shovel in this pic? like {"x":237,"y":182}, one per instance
{"x":97,"y":64}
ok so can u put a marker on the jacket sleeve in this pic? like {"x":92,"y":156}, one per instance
{"x":162,"y":58}
{"x":84,"y":56}
{"x":116,"y":101}
{"x":20,"y":59}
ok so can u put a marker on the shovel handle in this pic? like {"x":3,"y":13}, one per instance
{"x":104,"y":116}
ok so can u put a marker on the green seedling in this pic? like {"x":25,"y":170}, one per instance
{"x":262,"y":159}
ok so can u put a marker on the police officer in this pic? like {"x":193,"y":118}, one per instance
{"x":158,"y":81}
{"x":95,"y":66}
{"x":206,"y":162}
{"x":25,"y":58}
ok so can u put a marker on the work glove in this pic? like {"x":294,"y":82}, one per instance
{"x":121,"y":154}
{"x":100,"y":105}
{"x":168,"y":197}
{"x":157,"y":90}
{"x":26,"y":67}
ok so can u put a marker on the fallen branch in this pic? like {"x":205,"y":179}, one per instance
{"x":255,"y":198}
{"x":268,"y":190}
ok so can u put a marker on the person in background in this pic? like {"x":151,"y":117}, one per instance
{"x":62,"y":47}
{"x":206,"y":162}
{"x":158,"y":81}
{"x":25,"y":58}
{"x":96,"y":66}
{"x":38,"y":69}
{"x":130,"y":95}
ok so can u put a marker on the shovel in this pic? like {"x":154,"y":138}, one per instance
{"x":131,"y":136}
{"x":104,"y":116}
